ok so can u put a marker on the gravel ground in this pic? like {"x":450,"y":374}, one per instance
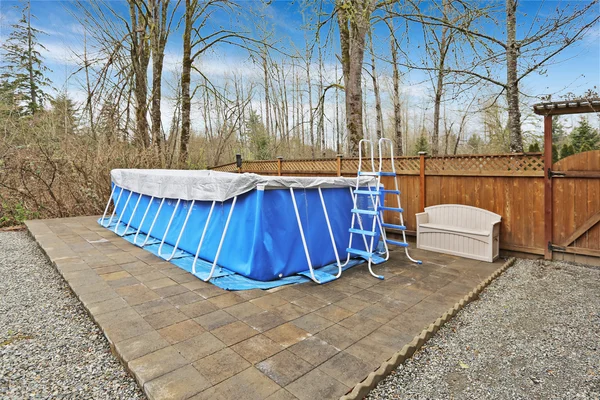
{"x":49,"y":347}
{"x":534,"y":334}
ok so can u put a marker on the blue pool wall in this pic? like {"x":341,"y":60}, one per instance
{"x":263,"y":240}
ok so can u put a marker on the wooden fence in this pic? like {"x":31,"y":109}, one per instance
{"x":511,"y":185}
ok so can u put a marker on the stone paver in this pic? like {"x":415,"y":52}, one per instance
{"x":184,"y":338}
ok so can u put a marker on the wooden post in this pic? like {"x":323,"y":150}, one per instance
{"x":548,"y":187}
{"x":279,"y":160}
{"x":339,"y":164}
{"x":238,"y":162}
{"x":422,"y":155}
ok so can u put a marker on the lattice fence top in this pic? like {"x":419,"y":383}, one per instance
{"x":511,"y":164}
{"x":493,"y":165}
{"x":267,"y":166}
{"x":231,"y":167}
{"x":321,"y":166}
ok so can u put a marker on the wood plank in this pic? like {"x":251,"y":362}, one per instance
{"x":593,"y":220}
{"x":548,"y":203}
{"x":422,"y":191}
{"x":508,"y":210}
{"x":522,"y":249}
{"x":519,"y":216}
{"x":512,"y":174}
{"x":582,"y":251}
{"x":538,"y":213}
{"x":594,"y":199}
{"x":577,"y":174}
{"x":580,"y":210}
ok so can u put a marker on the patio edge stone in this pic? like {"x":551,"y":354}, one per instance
{"x":364,"y":387}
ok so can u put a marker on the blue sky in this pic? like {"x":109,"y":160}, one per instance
{"x":577,"y":69}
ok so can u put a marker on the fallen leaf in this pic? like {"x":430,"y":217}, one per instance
{"x":463,"y":365}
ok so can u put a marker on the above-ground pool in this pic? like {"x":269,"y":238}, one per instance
{"x":263,"y":228}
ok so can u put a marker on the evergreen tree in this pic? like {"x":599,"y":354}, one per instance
{"x":534,"y":148}
{"x":421,"y":144}
{"x":64,"y":113}
{"x":554,"y":153}
{"x":257,"y":134}
{"x":558,"y":130}
{"x":476,"y":144}
{"x":566,"y":150}
{"x":22,"y":65}
{"x":584,"y":137}
{"x":8,"y":101}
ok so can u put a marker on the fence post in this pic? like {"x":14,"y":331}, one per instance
{"x":238,"y":162}
{"x":339,"y":164}
{"x":422,"y":155}
{"x":279,"y":160}
{"x":548,"y":187}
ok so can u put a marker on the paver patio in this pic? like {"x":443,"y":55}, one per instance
{"x":183,"y":338}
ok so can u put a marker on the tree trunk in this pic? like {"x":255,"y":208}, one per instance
{"x":439,"y":89}
{"x":322,"y":108}
{"x":444,"y":45}
{"x":379,"y":115}
{"x":512,"y":82}
{"x":186,"y":101}
{"x":266,"y":84}
{"x":354,"y":21}
{"x":158,"y":38}
{"x":310,"y":108}
{"x":140,"y":58}
{"x":33,"y":94}
{"x":396,"y":100}
{"x":337,"y":116}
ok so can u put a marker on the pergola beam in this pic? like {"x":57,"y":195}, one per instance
{"x":567,"y":107}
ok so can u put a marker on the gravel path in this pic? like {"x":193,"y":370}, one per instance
{"x":49,"y":347}
{"x":534,"y":334}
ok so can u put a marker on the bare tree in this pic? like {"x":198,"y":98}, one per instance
{"x":544,"y":39}
{"x":378,"y":113}
{"x":398,"y":136}
{"x":354,"y":21}
{"x":160,"y":27}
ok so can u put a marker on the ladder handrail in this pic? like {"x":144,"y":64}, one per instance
{"x":375,"y":198}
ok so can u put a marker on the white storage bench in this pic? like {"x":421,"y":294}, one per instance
{"x":460,"y":230}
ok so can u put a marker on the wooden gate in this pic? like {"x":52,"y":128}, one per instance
{"x":576,"y":204}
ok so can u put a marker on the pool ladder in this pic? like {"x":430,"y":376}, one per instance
{"x":375,"y":209}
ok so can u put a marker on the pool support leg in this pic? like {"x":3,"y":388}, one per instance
{"x":212,"y":207}
{"x":114,"y":210}
{"x":187,"y":216}
{"x":153,"y":222}
{"x":310,"y":267}
{"x":168,"y":228}
{"x":143,"y":219}
{"x":121,"y":216}
{"x":212,"y":270}
{"x":108,"y":204}
{"x":130,"y":218}
{"x":337,"y":256}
